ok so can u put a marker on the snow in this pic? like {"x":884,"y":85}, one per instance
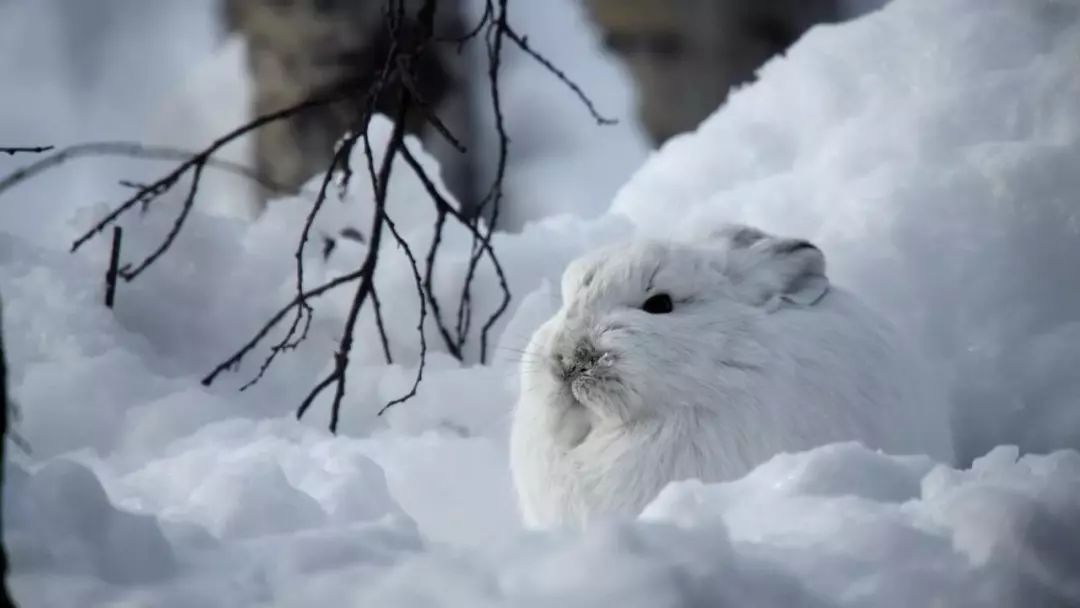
{"x":61,"y":515}
{"x":929,"y":148}
{"x":937,"y":173}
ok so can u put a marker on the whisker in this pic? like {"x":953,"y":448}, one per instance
{"x":513,"y":350}
{"x":523,"y":363}
{"x":524,"y":354}
{"x":515,"y":355}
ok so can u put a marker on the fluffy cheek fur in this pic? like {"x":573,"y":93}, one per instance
{"x":564,"y":417}
{"x":644,"y":373}
{"x":616,"y":391}
{"x":650,"y":374}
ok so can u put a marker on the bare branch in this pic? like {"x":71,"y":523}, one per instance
{"x":432,"y":118}
{"x":189,"y":201}
{"x":154,"y":190}
{"x":494,"y":40}
{"x":24,"y":150}
{"x":114,"y":267}
{"x":445,"y":208}
{"x":341,"y":357}
{"x":485,"y":18}
{"x":340,"y":159}
{"x":522,"y":42}
{"x":234,"y":361}
{"x":377,"y":306}
{"x":395,"y":79}
{"x":423,"y":314}
{"x":429,"y":271}
{"x":130,"y":150}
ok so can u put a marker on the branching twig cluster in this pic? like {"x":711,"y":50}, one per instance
{"x":411,"y":36}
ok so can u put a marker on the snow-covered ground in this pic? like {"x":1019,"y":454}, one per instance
{"x":929,"y":148}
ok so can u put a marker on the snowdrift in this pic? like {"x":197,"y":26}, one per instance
{"x":929,"y":148}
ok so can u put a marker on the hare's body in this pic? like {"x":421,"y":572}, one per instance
{"x":746,"y":353}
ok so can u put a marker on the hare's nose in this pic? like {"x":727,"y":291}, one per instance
{"x":585,"y":354}
{"x":561,"y":361}
{"x":581,"y":359}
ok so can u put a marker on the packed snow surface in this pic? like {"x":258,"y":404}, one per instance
{"x":929,"y":148}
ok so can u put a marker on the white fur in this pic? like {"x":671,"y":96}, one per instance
{"x":759,"y":356}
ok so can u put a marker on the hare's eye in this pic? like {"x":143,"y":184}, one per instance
{"x":658,"y":305}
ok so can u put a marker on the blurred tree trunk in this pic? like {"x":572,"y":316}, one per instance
{"x":686,"y":55}
{"x":298,"y":47}
{"x":5,"y":596}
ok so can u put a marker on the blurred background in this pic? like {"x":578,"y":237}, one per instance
{"x":182,"y":72}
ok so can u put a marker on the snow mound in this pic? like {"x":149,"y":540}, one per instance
{"x":929,"y":148}
{"x":839,"y":525}
{"x":59,"y":519}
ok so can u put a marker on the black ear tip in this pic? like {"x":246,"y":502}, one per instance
{"x":788,"y":247}
{"x":744,"y":236}
{"x":803,"y":254}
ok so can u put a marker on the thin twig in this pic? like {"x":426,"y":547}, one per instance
{"x":128,"y":149}
{"x":444,"y":206}
{"x":494,"y":41}
{"x":24,"y":150}
{"x":472,"y":33}
{"x":340,"y":157}
{"x":185,"y":209}
{"x":155,"y":189}
{"x":377,"y":306}
{"x":234,"y":360}
{"x":430,"y":116}
{"x":114,"y":267}
{"x":429,"y":271}
{"x":397,"y":76}
{"x":423,"y":314}
{"x":341,"y":358}
{"x":522,"y":42}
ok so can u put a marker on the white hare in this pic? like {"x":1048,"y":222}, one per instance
{"x":670,"y":361}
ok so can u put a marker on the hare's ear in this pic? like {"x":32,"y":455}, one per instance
{"x":770,"y":270}
{"x":799,"y":270}
{"x":734,"y":236}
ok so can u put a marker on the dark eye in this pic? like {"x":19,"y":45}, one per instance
{"x":658,"y":305}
